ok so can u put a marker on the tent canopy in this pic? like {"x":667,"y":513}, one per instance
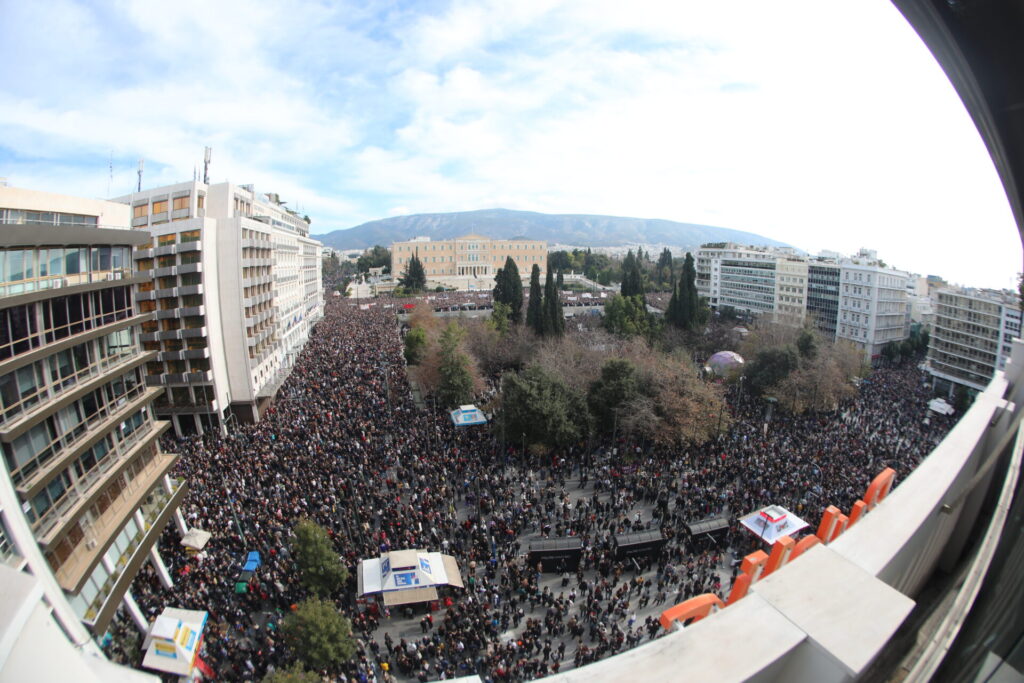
{"x":402,"y":575}
{"x":468,"y":415}
{"x":196,"y":539}
{"x":772,"y":523}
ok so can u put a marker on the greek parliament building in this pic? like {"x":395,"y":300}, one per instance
{"x":468,"y":262}
{"x":235,"y":290}
{"x":85,"y":490}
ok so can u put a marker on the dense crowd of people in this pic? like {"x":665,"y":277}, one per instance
{"x":346,"y":446}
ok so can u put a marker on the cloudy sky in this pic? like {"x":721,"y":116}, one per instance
{"x":821,"y":123}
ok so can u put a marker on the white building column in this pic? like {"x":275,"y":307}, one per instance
{"x":135,"y":612}
{"x":179,"y":521}
{"x":160,"y":567}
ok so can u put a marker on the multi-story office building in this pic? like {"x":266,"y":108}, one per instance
{"x":791,"y":289}
{"x":823,"y":296}
{"x":972,"y":336}
{"x":236,"y":291}
{"x":744,"y":278}
{"x":85,"y":490}
{"x":469,"y":262}
{"x":857,"y":298}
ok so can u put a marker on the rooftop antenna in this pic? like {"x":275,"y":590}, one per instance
{"x":142,"y":162}
{"x":206,"y":166}
{"x":110,"y":178}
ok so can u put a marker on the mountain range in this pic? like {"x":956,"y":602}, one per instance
{"x":568,"y":229}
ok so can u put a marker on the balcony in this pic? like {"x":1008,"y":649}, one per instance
{"x":101,"y":532}
{"x":187,"y":378}
{"x":108,"y":605}
{"x":165,"y":335}
{"x":53,"y":525}
{"x":184,"y":354}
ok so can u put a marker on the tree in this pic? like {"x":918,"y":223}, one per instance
{"x":618,"y":385}
{"x":508,"y":289}
{"x":320,"y":567}
{"x":769,"y":367}
{"x":891,"y":351}
{"x":626,"y":316}
{"x":456,"y":382}
{"x":500,"y":315}
{"x":559,"y":282}
{"x":318,"y":634}
{"x":554,"y":319}
{"x":415,"y":345}
{"x":664,"y":272}
{"x":688,"y":294}
{"x":415,"y":278}
{"x":632,"y":280}
{"x":374,"y":257}
{"x":296,"y":673}
{"x":807,"y":344}
{"x":535,"y":309}
{"x":542,"y":409}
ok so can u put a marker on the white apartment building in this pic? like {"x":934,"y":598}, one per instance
{"x":85,"y":490}
{"x":236,"y":289}
{"x":872,"y":303}
{"x":972,"y":336}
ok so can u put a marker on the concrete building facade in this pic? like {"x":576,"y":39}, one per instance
{"x":823,"y":296}
{"x":972,"y":336}
{"x":470,"y":261}
{"x":858,"y":298}
{"x":872,"y":303}
{"x":86,"y":490}
{"x":236,"y":290}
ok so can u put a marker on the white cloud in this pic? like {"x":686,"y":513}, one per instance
{"x":778,"y":118}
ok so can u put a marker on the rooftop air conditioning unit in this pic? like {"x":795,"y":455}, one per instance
{"x":90,"y":544}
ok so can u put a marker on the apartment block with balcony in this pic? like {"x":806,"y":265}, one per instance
{"x":972,"y":336}
{"x":86,"y":490}
{"x":236,"y":293}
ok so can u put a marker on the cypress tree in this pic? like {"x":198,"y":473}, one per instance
{"x":508,"y":289}
{"x":554,"y":324}
{"x":534,"y":310}
{"x":674,"y":313}
{"x":514,"y":290}
{"x":690,"y":299}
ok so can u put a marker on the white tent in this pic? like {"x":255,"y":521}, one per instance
{"x":940,"y":406}
{"x":172,"y":644}
{"x":772,"y":523}
{"x":405,"y":576}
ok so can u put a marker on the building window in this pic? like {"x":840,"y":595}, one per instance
{"x":164,"y":240}
{"x":189,"y":236}
{"x":160,"y":206}
{"x":140,"y":211}
{"x":180,"y":203}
